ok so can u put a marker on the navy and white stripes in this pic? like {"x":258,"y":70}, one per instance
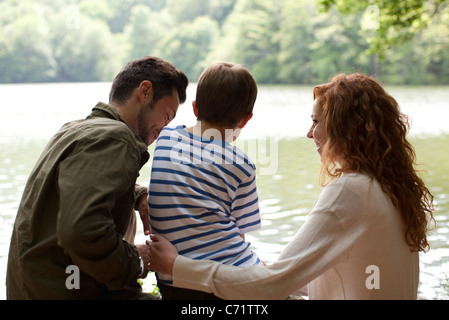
{"x":202,"y":197}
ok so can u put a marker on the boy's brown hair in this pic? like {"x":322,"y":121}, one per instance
{"x":226,"y":93}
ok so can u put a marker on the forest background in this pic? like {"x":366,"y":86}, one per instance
{"x":279,"y":41}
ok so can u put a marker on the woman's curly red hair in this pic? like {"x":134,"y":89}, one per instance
{"x":364,"y":124}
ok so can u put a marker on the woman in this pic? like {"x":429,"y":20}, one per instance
{"x":363,"y":236}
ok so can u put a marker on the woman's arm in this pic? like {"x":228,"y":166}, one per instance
{"x":323,"y":241}
{"x":313,"y":250}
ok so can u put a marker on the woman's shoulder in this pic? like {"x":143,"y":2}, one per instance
{"x":354,"y":188}
{"x":352,"y":180}
{"x":358,"y":192}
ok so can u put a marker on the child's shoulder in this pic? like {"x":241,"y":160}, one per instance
{"x":173,"y":128}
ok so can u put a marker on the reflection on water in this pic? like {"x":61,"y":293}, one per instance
{"x":286,"y":194}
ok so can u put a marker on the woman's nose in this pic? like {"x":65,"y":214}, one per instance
{"x":310,"y":133}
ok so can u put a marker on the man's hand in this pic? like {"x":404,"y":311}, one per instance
{"x":144,"y":254}
{"x":142,"y":207}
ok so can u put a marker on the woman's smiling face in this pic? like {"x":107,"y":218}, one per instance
{"x":316,"y":132}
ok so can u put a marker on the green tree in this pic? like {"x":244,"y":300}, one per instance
{"x":145,"y":30}
{"x":423,"y":60}
{"x":187,"y":10}
{"x":86,"y":53}
{"x":287,"y":41}
{"x":435,"y":44}
{"x":297,"y":37}
{"x":338,"y":46}
{"x":398,"y":20}
{"x":98,"y":9}
{"x":219,"y":10}
{"x":22,"y":60}
{"x":121,"y":11}
{"x":257,"y":37}
{"x":188,"y":45}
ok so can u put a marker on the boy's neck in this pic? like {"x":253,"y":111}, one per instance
{"x":207,"y":131}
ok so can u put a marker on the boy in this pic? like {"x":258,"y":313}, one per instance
{"x":202,"y":194}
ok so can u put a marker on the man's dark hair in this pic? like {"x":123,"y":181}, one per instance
{"x":163,"y":76}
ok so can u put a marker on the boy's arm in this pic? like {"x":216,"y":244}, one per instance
{"x":245,"y":207}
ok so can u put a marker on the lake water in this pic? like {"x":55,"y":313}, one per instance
{"x":275,"y":139}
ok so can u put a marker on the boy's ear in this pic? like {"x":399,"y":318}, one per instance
{"x":244,"y":121}
{"x":195,"y":109}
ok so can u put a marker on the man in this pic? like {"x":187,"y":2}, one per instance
{"x":68,"y":238}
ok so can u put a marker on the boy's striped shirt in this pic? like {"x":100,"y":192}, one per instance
{"x":202,"y":196}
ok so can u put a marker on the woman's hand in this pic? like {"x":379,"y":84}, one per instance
{"x":162,"y":254}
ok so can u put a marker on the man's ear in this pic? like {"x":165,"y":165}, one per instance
{"x":244,"y":121}
{"x":146,"y":92}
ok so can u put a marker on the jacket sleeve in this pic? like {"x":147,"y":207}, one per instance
{"x":91,"y":180}
{"x":138,"y":192}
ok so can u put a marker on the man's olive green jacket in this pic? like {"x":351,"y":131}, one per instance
{"x":75,"y":209}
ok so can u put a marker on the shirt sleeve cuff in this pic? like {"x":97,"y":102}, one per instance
{"x":194,"y":274}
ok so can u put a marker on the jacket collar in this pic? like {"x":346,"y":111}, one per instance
{"x":104,"y":110}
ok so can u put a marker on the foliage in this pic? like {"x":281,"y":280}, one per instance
{"x":398,"y":21}
{"x":286,"y":41}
